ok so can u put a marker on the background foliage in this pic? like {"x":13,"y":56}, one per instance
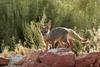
{"x":67,"y":13}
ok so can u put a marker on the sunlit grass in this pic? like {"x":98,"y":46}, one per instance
{"x":5,"y":52}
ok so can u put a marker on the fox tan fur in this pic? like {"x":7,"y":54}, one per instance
{"x":62,"y":35}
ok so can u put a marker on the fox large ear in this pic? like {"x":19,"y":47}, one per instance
{"x":49,"y":24}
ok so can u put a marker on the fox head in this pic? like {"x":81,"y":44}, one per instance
{"x":45,"y":28}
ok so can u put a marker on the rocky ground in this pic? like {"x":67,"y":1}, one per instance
{"x":59,"y":57}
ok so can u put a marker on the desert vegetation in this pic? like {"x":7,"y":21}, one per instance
{"x":16,"y":15}
{"x":19,"y":20}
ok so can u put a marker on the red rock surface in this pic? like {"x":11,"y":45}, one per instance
{"x":3,"y":61}
{"x":62,"y":58}
{"x":53,"y":58}
{"x":42,"y":65}
{"x":30,"y":64}
{"x":97,"y":62}
{"x":88,"y":60}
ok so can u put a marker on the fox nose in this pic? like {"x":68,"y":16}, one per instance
{"x":43,"y":26}
{"x":43,"y":32}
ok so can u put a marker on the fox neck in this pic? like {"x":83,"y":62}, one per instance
{"x":46,"y":37}
{"x":47,"y":34}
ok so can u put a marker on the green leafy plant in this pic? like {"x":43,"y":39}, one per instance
{"x":33,"y":36}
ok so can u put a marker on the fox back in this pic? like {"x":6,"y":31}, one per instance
{"x":58,"y":33}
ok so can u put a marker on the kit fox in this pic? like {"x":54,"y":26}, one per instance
{"x":61,"y":35}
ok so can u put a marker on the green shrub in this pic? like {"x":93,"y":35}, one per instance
{"x":33,"y":36}
{"x":67,"y":13}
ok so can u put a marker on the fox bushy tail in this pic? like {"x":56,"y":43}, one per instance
{"x":76,"y":35}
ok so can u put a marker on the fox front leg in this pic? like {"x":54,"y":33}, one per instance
{"x":46,"y":46}
{"x":49,"y":45}
{"x":52,"y":44}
